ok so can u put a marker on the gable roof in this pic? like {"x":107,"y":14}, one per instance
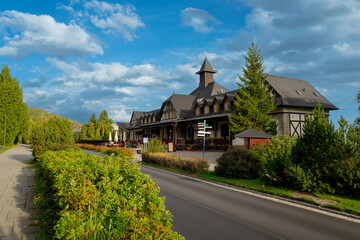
{"x":210,"y":90}
{"x":297,"y":93}
{"x":181,"y":103}
{"x":252,"y":133}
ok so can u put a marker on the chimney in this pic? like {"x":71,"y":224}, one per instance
{"x":206,"y":74}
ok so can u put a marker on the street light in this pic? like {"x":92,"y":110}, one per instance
{"x":5,"y":128}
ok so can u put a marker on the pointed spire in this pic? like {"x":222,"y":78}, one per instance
{"x":206,"y":67}
{"x":206,"y":73}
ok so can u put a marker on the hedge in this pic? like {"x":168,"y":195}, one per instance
{"x":192,"y":165}
{"x":84,"y":196}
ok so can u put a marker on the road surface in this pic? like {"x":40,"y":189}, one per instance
{"x":206,"y":211}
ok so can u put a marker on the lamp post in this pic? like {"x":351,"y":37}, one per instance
{"x":5,"y":128}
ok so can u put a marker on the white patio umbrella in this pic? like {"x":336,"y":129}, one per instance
{"x":110,"y":139}
{"x":116,"y":138}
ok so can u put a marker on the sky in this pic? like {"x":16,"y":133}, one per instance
{"x":75,"y":58}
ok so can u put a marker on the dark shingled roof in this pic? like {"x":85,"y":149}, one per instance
{"x":297,"y":93}
{"x":210,"y":90}
{"x":206,"y":67}
{"x":182,"y":103}
{"x":123,"y":124}
{"x":252,"y":133}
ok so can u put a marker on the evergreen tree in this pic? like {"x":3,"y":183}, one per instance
{"x":253,"y":101}
{"x":97,"y":129}
{"x":357,"y":120}
{"x":93,"y":119}
{"x":12,"y":108}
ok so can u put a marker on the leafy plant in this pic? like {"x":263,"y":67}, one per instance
{"x":238,"y":164}
{"x":276,"y":159}
{"x":51,"y":133}
{"x":192,"y":165}
{"x":13,"y":109}
{"x":155,"y":145}
{"x":88,"y":197}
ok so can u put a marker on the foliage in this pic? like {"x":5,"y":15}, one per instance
{"x":253,"y":101}
{"x":275,"y":159}
{"x":89,"y":197}
{"x":12,"y":108}
{"x":97,"y":129}
{"x":122,"y":152}
{"x":238,"y":164}
{"x":192,"y":165}
{"x":357,"y":120}
{"x":50,"y":133}
{"x":155,"y":145}
{"x":329,"y":159}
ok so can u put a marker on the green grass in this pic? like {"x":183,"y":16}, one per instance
{"x":5,"y":149}
{"x":344,"y":204}
{"x":253,"y":184}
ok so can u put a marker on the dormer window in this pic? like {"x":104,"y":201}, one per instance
{"x":216,"y":107}
{"x":227,"y":105}
{"x":206,"y":109}
{"x":197,"y":110}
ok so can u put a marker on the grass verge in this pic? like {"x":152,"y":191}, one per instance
{"x":344,"y":204}
{"x":6,"y":148}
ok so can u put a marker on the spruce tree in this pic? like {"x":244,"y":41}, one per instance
{"x":253,"y":101}
{"x":12,"y":108}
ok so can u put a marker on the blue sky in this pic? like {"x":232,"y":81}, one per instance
{"x":75,"y":58}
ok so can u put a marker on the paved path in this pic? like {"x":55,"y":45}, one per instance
{"x":16,"y":194}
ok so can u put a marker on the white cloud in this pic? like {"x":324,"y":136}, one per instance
{"x":198,"y":19}
{"x":114,"y":18}
{"x":30,"y":33}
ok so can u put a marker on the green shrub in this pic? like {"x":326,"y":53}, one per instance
{"x":50,"y":133}
{"x":192,"y":165}
{"x":121,"y":152}
{"x":88,"y":197}
{"x":330,"y":159}
{"x":276,"y":159}
{"x":155,"y":145}
{"x":238,"y":164}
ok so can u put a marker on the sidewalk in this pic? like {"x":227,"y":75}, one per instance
{"x":16,"y":194}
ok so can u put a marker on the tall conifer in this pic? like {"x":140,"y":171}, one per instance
{"x":253,"y":101}
{"x":12,"y":107}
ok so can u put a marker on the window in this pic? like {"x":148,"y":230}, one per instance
{"x":206,"y":109}
{"x":145,"y":121}
{"x":141,"y":120}
{"x":153,"y":118}
{"x":227,"y":105}
{"x":216,"y":107}
{"x":197,"y":110}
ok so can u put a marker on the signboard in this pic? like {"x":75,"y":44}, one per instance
{"x":171,"y":147}
{"x":202,"y":126}
{"x":145,"y":140}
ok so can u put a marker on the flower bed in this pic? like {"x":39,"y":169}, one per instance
{"x":121,"y":152}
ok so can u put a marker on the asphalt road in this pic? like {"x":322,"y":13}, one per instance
{"x":205,"y":211}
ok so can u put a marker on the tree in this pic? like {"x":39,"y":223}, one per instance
{"x":253,"y":101}
{"x":12,"y":108}
{"x":357,"y":120}
{"x":97,"y":129}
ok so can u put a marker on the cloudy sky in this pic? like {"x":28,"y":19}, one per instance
{"x":76,"y":57}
